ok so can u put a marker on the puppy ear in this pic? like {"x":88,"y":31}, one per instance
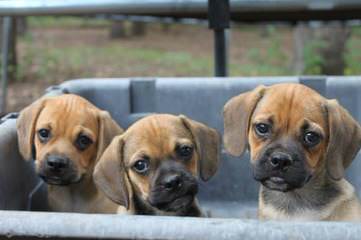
{"x":25,"y":126}
{"x":344,"y":139}
{"x":208,"y":145}
{"x":110,"y":175}
{"x":237,"y":113}
{"x":108,"y":129}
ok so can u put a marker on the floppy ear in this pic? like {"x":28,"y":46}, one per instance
{"x":25,"y":126}
{"x":108,"y":129}
{"x":110,"y":175}
{"x":208,"y":145}
{"x":344,"y":139}
{"x":237,"y":113}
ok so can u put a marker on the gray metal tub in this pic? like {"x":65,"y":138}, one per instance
{"x":230,"y":197}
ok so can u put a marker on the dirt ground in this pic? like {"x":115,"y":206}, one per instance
{"x":51,"y":55}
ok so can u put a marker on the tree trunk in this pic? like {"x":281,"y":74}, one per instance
{"x":12,"y":59}
{"x":22,"y":26}
{"x":12,"y":67}
{"x":118,"y":30}
{"x":139,"y":29}
{"x":335,"y":36}
{"x":299,"y":34}
{"x":320,"y":49}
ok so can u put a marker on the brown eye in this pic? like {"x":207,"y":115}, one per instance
{"x":141,"y":166}
{"x":83,"y":142}
{"x":311,"y":139}
{"x":44,"y":135}
{"x":185,"y":151}
{"x":262,"y":129}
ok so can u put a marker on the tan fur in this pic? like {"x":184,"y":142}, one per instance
{"x":155,"y":136}
{"x":288,"y":106}
{"x":346,"y":207}
{"x":304,"y":104}
{"x":67,"y":116}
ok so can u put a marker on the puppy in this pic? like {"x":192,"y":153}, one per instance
{"x":152,"y":168}
{"x":66,"y":135}
{"x":300,"y":143}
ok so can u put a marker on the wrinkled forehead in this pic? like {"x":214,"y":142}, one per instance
{"x":291,"y":106}
{"x":156,"y":135}
{"x":65,"y":114}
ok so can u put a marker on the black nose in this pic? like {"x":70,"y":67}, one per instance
{"x":172,"y":182}
{"x":280,"y":160}
{"x":57,"y":163}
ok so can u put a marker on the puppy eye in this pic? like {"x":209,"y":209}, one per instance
{"x":44,"y":134}
{"x":311,"y":139}
{"x":262,"y":129}
{"x":83,"y":142}
{"x":185,"y":151}
{"x":141,"y":166}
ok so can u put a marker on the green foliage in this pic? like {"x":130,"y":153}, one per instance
{"x":51,"y":21}
{"x":269,"y":61}
{"x":353,"y":53}
{"x":313,"y":60}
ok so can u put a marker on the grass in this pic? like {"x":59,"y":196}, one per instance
{"x":115,"y":60}
{"x":70,"y":62}
{"x":73,"y":62}
{"x":57,"y":49}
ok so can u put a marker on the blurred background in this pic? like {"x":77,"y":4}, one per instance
{"x":49,"y":50}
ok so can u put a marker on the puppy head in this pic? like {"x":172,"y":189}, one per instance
{"x":65,"y":135}
{"x":293,"y":134}
{"x":157,"y":161}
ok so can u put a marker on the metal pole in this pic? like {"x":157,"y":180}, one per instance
{"x":219,"y":17}
{"x":50,"y":225}
{"x":221,"y":53}
{"x":4,"y":60}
